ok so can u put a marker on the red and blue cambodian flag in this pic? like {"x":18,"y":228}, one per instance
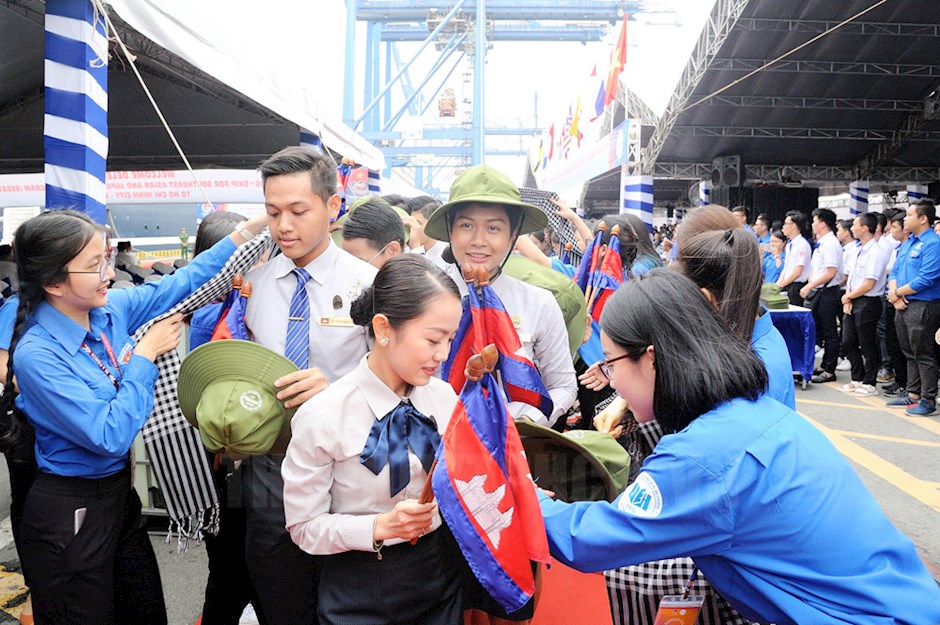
{"x":588,"y":263}
{"x":485,"y":321}
{"x":231,"y":323}
{"x":607,"y":278}
{"x":485,"y":493}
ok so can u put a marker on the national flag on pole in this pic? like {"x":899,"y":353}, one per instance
{"x":618,"y":60}
{"x":520,"y":378}
{"x":575,"y":120}
{"x":608,"y":278}
{"x":485,"y":321}
{"x":485,"y":493}
{"x":551,"y":142}
{"x":231,"y":323}
{"x":588,"y":262}
{"x":599,"y":98}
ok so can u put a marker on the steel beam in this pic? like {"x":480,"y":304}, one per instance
{"x":809,"y":174}
{"x":827,"y":104}
{"x":595,"y":10}
{"x":858,"y":134}
{"x":721,"y":21}
{"x":451,"y":134}
{"x":349,"y":74}
{"x":852,"y":28}
{"x":460,"y":151}
{"x":507,"y":32}
{"x":826,"y":67}
{"x":478,"y":126}
{"x":911,"y":129}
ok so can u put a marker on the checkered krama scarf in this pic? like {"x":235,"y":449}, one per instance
{"x":173,"y":446}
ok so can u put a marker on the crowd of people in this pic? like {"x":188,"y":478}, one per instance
{"x":685,"y":369}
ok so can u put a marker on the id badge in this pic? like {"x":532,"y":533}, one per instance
{"x":679,"y":610}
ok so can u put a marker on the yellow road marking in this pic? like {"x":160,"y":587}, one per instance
{"x":888,"y":439}
{"x":931,"y":424}
{"x":922,"y":491}
{"x":817,"y":402}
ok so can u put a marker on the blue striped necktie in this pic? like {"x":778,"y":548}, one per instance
{"x":297,"y":346}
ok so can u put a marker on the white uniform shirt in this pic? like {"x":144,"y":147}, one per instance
{"x":827,"y":254}
{"x":336,"y":279}
{"x":870,"y":262}
{"x":798,"y":252}
{"x":330,"y":498}
{"x":544,"y":336}
{"x":888,"y":243}
{"x":849,"y":252}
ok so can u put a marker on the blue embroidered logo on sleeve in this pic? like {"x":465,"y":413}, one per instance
{"x":642,"y":498}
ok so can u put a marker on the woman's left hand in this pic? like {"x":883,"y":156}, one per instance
{"x":593,"y":379}
{"x":299,"y":386}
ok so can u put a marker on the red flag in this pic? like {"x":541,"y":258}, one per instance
{"x":618,"y":59}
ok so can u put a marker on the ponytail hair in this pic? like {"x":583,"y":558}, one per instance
{"x":402,"y":290}
{"x":43,"y":246}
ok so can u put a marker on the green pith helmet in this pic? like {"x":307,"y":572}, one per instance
{"x":484,"y":185}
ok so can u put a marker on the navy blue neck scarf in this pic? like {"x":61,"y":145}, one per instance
{"x":390,"y":438}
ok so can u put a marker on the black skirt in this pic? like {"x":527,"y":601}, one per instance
{"x":411,"y":585}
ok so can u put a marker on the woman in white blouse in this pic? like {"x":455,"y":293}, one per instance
{"x":359,"y":456}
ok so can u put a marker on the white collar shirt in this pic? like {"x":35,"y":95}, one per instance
{"x":828,"y":254}
{"x":798,"y":252}
{"x":849,"y":252}
{"x":331,"y":499}
{"x":336,"y":279}
{"x":870,"y":262}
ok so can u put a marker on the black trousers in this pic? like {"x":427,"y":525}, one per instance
{"x":916,"y":327}
{"x":860,"y":339}
{"x":793,"y":292}
{"x":898,"y":359}
{"x":106,"y":572}
{"x":827,"y":308}
{"x":411,"y":585}
{"x":228,"y":588}
{"x":283,"y":575}
{"x":21,"y":465}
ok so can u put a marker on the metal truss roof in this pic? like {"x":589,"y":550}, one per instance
{"x":861,"y":102}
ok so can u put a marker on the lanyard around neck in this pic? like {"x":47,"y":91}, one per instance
{"x":111,"y":357}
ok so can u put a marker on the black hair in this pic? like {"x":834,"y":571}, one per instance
{"x":214,"y":227}
{"x":396,"y":200}
{"x":800,"y":221}
{"x":424,"y":204}
{"x":764,"y":219}
{"x":779,"y":234}
{"x":898,"y":217}
{"x":741,"y":209}
{"x":845,"y":224}
{"x":402,"y":291}
{"x":699,"y":362}
{"x":925,"y":207}
{"x":644,"y":245}
{"x":6,"y":252}
{"x":727,"y":264}
{"x":123,"y":246}
{"x":627,"y":237}
{"x":882,"y":220}
{"x":376,"y":222}
{"x":300,"y":160}
{"x":44,"y":247}
{"x":827,"y":217}
{"x":870,"y":221}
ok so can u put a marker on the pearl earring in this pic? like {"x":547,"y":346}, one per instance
{"x":383,"y":340}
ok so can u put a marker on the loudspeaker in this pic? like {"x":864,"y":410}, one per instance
{"x":732,"y":173}
{"x":718,"y":165}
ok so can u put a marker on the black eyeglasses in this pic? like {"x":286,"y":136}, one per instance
{"x":607,"y":366}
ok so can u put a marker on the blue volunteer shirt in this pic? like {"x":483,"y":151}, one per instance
{"x":918,"y":265}
{"x":768,"y":344}
{"x":202,"y":324}
{"x":84,"y":426}
{"x":7,"y":321}
{"x":770,"y":511}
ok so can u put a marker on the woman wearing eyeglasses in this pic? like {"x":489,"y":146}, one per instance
{"x":86,"y":389}
{"x":767,"y":508}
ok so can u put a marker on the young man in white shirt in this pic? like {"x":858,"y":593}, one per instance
{"x":301,"y":200}
{"x":861,"y":306}
{"x":796,"y":264}
{"x":823,"y":291}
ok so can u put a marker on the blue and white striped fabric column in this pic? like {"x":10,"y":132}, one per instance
{"x":636,"y":196}
{"x":705,"y":193}
{"x":858,"y":197}
{"x":75,"y":133}
{"x":916,"y":192}
{"x":375,"y":183}
{"x":310,"y":140}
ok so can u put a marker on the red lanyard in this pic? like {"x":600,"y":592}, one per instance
{"x":111,"y":357}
